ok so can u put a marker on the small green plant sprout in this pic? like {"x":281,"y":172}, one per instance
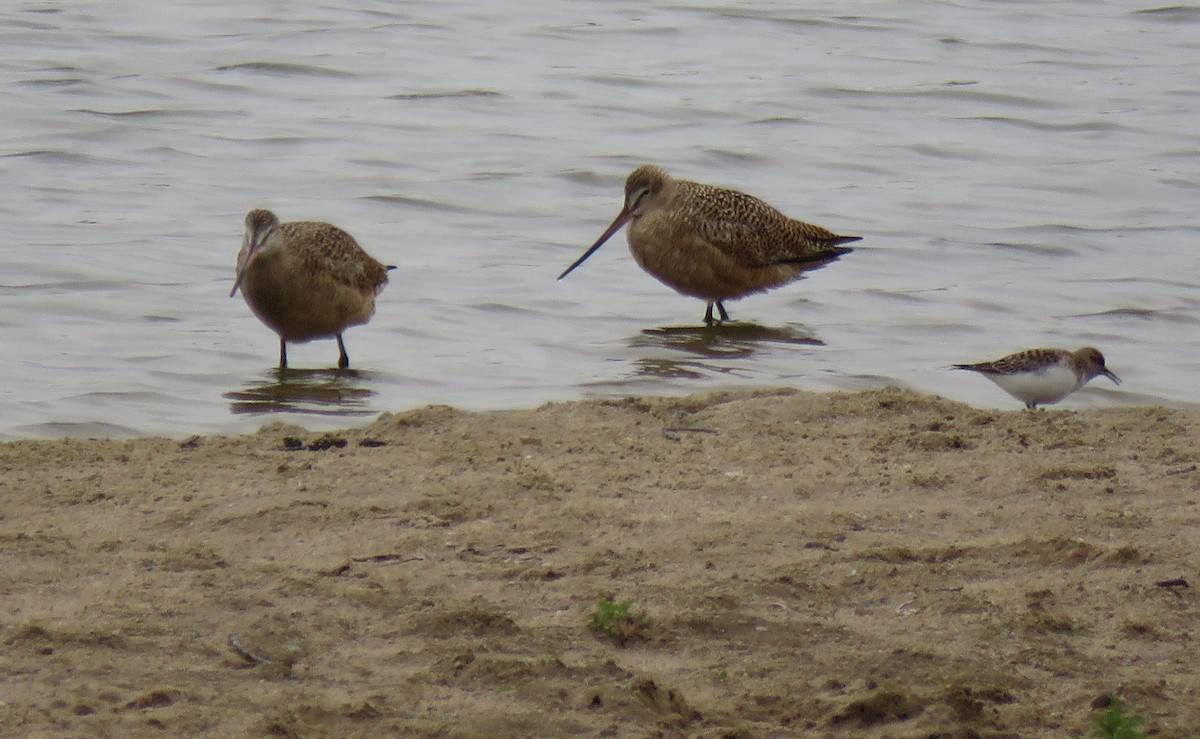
{"x":1114,"y":723}
{"x":618,"y":621}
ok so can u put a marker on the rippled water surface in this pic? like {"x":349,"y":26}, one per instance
{"x":1023,"y":174}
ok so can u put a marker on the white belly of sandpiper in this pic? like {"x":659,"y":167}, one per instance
{"x":1048,"y":385}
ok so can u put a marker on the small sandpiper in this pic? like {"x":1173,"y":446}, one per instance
{"x":1043,"y":376}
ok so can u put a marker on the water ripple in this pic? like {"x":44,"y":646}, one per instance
{"x":285,"y":69}
{"x":946,"y":91}
{"x":1171,"y":14}
{"x":446,"y":94}
{"x":418,"y":203}
{"x":1087,"y":126}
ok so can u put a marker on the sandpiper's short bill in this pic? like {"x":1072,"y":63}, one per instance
{"x":1043,"y":376}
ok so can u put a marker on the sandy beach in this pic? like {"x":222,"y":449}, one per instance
{"x":880,"y":564}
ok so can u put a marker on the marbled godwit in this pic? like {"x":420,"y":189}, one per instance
{"x":712,"y":243}
{"x":1043,"y":376}
{"x":306,"y":280}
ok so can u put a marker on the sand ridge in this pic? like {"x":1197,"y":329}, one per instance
{"x":877,"y":564}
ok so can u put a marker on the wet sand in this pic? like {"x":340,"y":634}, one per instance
{"x":881,"y":564}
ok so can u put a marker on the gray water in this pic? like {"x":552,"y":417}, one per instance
{"x":1023,"y":174}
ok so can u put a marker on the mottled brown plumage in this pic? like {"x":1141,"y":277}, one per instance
{"x":712,"y":243}
{"x":1044,"y":376}
{"x":306,"y":280}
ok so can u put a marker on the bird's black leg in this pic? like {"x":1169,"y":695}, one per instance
{"x":343,"y":358}
{"x":282,"y":354}
{"x":708,"y":319}
{"x":721,"y":309}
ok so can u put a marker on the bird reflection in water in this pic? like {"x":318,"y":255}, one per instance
{"x":704,"y":348}
{"x":315,"y":392}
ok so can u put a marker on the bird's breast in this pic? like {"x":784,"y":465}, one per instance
{"x":300,"y":303}
{"x":670,"y":250}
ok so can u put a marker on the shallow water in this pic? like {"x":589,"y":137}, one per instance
{"x":1023,"y":175}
